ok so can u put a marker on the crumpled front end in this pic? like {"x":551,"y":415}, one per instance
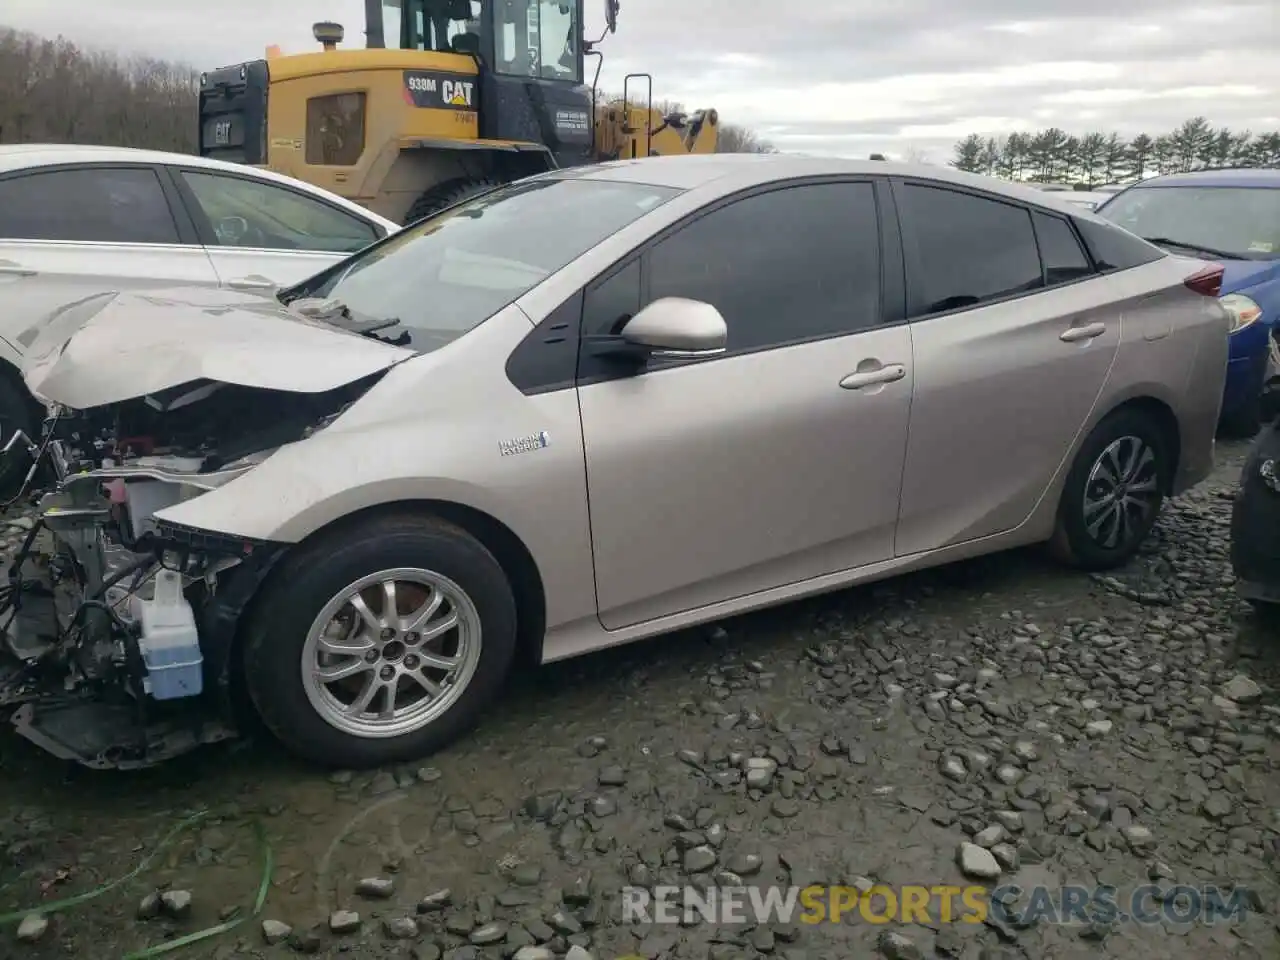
{"x":118,"y":627}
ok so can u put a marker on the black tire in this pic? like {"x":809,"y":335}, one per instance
{"x":17,"y":412}
{"x":1245,"y":421}
{"x":1072,"y":543}
{"x":446,"y":195}
{"x":1266,"y":613}
{"x":318,"y":572}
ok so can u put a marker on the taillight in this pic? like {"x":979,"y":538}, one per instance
{"x":1207,"y":282}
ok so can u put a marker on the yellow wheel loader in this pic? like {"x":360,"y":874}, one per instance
{"x":447,"y":99}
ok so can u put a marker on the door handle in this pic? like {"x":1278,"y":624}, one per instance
{"x":889,"y":373}
{"x":10,"y":269}
{"x":252,"y":283}
{"x":1087,"y":331}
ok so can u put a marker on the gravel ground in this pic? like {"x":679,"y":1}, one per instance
{"x":1087,"y":730}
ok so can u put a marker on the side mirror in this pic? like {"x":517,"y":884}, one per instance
{"x":611,"y":15}
{"x":676,"y":329}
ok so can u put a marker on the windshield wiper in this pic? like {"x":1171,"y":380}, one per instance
{"x":334,"y":311}
{"x":1198,"y":247}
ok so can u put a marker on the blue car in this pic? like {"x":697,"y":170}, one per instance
{"x":1233,"y":218}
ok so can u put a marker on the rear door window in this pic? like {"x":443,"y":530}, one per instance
{"x":1063,"y":258}
{"x":968,"y":250}
{"x":1113,"y":248}
{"x":101,"y":204}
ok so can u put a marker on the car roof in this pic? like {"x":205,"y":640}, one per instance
{"x":27,"y":156}
{"x":1241,"y":177}
{"x":743,"y":170}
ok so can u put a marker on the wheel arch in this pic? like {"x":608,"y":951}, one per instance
{"x":1161,"y":413}
{"x":495,"y":536}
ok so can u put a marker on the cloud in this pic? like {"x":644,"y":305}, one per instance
{"x":838,"y":78}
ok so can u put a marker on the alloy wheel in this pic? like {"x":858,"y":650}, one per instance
{"x":391,"y":652}
{"x":1122,"y":492}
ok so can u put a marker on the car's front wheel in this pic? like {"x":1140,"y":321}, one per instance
{"x":381,"y":642}
{"x":1113,"y":493}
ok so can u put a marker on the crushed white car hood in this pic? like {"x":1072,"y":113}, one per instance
{"x":118,"y":346}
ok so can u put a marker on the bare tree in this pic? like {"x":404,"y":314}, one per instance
{"x":736,"y":139}
{"x":54,"y":91}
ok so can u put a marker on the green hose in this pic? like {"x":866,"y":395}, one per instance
{"x":268,"y":869}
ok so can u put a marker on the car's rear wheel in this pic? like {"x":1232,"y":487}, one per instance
{"x":380,"y":643}
{"x":1113,"y":493}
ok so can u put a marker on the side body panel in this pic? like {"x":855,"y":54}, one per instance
{"x":714,"y":480}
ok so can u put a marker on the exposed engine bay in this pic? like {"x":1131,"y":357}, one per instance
{"x":117,"y":627}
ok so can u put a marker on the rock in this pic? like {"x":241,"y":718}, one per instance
{"x":273,"y":932}
{"x":307,"y":941}
{"x":613,"y":776}
{"x":577,"y":952}
{"x":760,"y":771}
{"x":784,"y":808}
{"x":976,"y":862}
{"x":383,"y":783}
{"x":1008,"y":774}
{"x":376,"y":888}
{"x":895,"y":946}
{"x":149,"y":906}
{"x":32,"y":927}
{"x":1006,"y":855}
{"x":699,"y":859}
{"x":1216,"y":806}
{"x":436,"y":902}
{"x":176,"y":904}
{"x":989,"y":837}
{"x":1098,"y":728}
{"x":745,"y":863}
{"x":953,"y":768}
{"x":1011,"y":820}
{"x":526,"y":874}
{"x":1240,"y":689}
{"x":344,"y":921}
{"x":1026,"y":751}
{"x":487,"y":934}
{"x":400,"y":928}
{"x":534,"y":953}
{"x":1138,"y":837}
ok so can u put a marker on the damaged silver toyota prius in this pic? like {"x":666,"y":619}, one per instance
{"x":590,"y":407}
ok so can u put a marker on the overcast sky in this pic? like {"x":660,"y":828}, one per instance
{"x":846,"y":77}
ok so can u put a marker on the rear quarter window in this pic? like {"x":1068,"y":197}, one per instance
{"x":1113,"y":248}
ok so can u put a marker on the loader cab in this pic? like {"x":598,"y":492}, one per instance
{"x":530,"y":59}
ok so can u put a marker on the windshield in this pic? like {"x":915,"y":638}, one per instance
{"x":538,"y":38}
{"x":1241,"y":223}
{"x":448,"y":274}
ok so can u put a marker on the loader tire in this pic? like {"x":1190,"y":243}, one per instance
{"x":446,"y":195}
